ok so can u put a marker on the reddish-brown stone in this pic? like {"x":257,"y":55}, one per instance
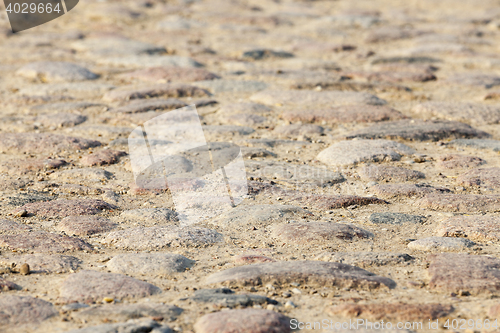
{"x":453,"y":161}
{"x":463,"y":272}
{"x":243,"y":321}
{"x":170,"y":74}
{"x":356,"y":113}
{"x":103,"y":157}
{"x":391,"y":311}
{"x":63,"y":208}
{"x":42,"y":143}
{"x":43,"y":242}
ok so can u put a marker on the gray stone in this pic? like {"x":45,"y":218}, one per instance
{"x":441,"y":244}
{"x":471,"y":113}
{"x":74,"y":306}
{"x":45,"y":263}
{"x":142,"y":61}
{"x":123,"y":312}
{"x":298,"y":129}
{"x":356,"y":113}
{"x":165,"y":90}
{"x":314,"y":232}
{"x":54,"y":71}
{"x":82,"y":89}
{"x":131,"y":326}
{"x":299,"y":175}
{"x":111,"y":46}
{"x":433,"y":48}
{"x":153,"y":238}
{"x":78,"y":175}
{"x":357,"y":151}
{"x":58,"y":120}
{"x":157,"y":215}
{"x":149,"y":263}
{"x":243,"y":119}
{"x":154,"y":104}
{"x":243,"y":217}
{"x":313,"y":273}
{"x":493,"y":145}
{"x":260,"y":54}
{"x":177,"y":23}
{"x":316,"y":201}
{"x":170,"y":74}
{"x":90,"y":286}
{"x":64,"y":107}
{"x":249,"y":108}
{"x":225,"y":297}
{"x":42,"y":143}
{"x":256,"y":152}
{"x":22,"y":198}
{"x":270,"y":143}
{"x":418,"y":130}
{"x":389,"y":173}
{"x":472,"y":79}
{"x":7,"y":285}
{"x":315,"y":98}
{"x":365,"y":259}
{"x":227,"y":129}
{"x":391,"y":33}
{"x":100,"y":131}
{"x":405,"y":60}
{"x":21,"y":310}
{"x":231,"y":86}
{"x":63,"y":208}
{"x":394,"y":77}
{"x":395,"y":218}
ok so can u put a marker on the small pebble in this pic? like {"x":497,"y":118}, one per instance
{"x":25,"y":269}
{"x":21,"y":213}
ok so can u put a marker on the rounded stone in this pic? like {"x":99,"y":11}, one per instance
{"x":154,"y":238}
{"x":56,"y":71}
{"x":441,"y":244}
{"x":312,"y":273}
{"x":90,"y":286}
{"x":85,"y":225}
{"x":149,"y":263}
{"x":389,"y":173}
{"x":243,"y":321}
{"x":63,"y":208}
{"x":357,"y":151}
{"x":312,"y":232}
{"x":21,"y":310}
